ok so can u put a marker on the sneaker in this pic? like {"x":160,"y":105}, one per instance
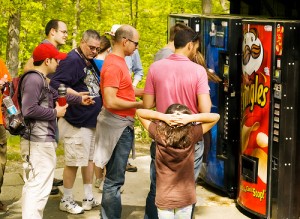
{"x":70,"y":206}
{"x":131,"y":168}
{"x":3,"y":207}
{"x":54,"y":190}
{"x":89,"y":204}
{"x":57,"y":182}
{"x":98,"y":182}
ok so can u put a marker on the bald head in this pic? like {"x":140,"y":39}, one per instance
{"x":125,"y":31}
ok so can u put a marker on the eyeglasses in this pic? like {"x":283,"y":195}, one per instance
{"x":92,"y":48}
{"x":63,"y":31}
{"x":135,"y":43}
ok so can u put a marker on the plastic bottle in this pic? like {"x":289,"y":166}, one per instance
{"x":11,"y":108}
{"x":62,"y":91}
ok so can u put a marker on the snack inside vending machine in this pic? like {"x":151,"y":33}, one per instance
{"x":269,"y":161}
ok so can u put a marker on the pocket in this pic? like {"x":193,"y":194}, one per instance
{"x":73,"y":148}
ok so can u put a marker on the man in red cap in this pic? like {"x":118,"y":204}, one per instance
{"x":56,"y":34}
{"x":38,"y":143}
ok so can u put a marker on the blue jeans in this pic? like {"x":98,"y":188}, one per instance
{"x":151,"y":209}
{"x":111,"y":207}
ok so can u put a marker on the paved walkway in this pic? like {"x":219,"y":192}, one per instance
{"x":209,"y":204}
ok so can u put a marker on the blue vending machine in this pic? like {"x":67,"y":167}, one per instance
{"x":221,"y":47}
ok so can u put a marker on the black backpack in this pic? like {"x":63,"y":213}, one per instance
{"x":16,"y":124}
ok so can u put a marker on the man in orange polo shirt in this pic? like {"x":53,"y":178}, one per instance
{"x":4,"y":77}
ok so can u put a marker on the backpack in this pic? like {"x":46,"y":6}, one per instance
{"x":16,"y":124}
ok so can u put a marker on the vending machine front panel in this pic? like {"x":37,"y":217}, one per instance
{"x":255,"y":118}
{"x":269,"y":119}
{"x":221,"y":47}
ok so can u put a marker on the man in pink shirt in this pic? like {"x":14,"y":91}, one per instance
{"x":176,"y":79}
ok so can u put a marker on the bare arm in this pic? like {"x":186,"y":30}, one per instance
{"x":204,"y":103}
{"x":208,"y":120}
{"x":114,"y":102}
{"x":149,"y":101}
{"x":138,"y":92}
{"x":73,"y":92}
{"x":146,"y":115}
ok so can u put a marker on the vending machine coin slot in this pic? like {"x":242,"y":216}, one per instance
{"x":274,"y":163}
{"x":277,"y":91}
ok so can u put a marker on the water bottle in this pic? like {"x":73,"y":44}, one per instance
{"x":11,"y":108}
{"x":15,"y":118}
{"x":62,"y":91}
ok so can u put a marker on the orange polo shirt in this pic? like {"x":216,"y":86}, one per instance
{"x":3,"y":72}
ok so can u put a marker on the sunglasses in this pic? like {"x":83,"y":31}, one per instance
{"x":135,"y":43}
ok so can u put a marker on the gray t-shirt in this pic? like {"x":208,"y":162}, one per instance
{"x":163,"y":53}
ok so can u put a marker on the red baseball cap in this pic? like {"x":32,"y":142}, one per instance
{"x":47,"y":50}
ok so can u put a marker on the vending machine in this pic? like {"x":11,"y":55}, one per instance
{"x":269,"y":160}
{"x":191,"y":20}
{"x":221,"y":46}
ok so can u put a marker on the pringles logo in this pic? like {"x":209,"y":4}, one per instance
{"x":252,"y":52}
{"x":253,"y":91}
{"x":254,"y":94}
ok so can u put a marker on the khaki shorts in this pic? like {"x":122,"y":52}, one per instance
{"x":79,"y":143}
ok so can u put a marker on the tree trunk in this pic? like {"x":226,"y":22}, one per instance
{"x":136,"y":13}
{"x":77,"y":23}
{"x":99,"y":10}
{"x":206,"y":6}
{"x":12,"y":48}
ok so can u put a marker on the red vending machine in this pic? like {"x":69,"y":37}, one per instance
{"x":269,"y":161}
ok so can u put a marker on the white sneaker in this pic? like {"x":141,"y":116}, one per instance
{"x":70,"y":206}
{"x":89,"y":204}
{"x":98,"y":182}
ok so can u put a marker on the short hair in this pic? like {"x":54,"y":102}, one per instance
{"x":90,"y":34}
{"x":104,"y":44}
{"x":178,"y":136}
{"x":51,"y":24}
{"x":175,"y":28}
{"x":38,"y":63}
{"x":183,"y":37}
{"x":125,"y":31}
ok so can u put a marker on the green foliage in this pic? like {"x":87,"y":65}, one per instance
{"x":149,"y":16}
{"x":13,"y":146}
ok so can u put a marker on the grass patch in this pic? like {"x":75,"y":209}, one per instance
{"x":13,"y":148}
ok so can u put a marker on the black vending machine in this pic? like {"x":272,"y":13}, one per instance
{"x":191,"y":20}
{"x":270,"y":130}
{"x":221,"y":47}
